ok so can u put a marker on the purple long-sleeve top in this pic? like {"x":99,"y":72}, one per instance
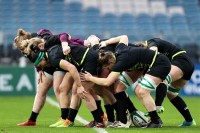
{"x":76,"y":41}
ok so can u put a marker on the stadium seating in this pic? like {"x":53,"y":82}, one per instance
{"x":174,"y":20}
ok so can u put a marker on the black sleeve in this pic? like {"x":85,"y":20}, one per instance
{"x":95,"y":47}
{"x":132,"y":45}
{"x":51,"y":41}
{"x":118,"y":67}
{"x":55,"y":55}
{"x":152,"y":43}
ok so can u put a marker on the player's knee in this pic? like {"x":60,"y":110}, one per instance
{"x":172,"y":92}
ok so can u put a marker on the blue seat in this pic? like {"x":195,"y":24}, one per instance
{"x":74,"y":7}
{"x":56,"y":5}
{"x":190,"y":8}
{"x":127,"y":18}
{"x":7,"y":2}
{"x":94,"y":28}
{"x":7,"y":12}
{"x":144,"y":18}
{"x":39,"y":25}
{"x":92,"y":11}
{"x":146,"y":27}
{"x":110,"y":22}
{"x":148,"y":36}
{"x":183,"y":40}
{"x":173,"y":2}
{"x":160,"y":18}
{"x":134,"y":38}
{"x":40,"y":6}
{"x":164,"y":27}
{"x":194,"y":19}
{"x":78,"y":29}
{"x":9,"y":25}
{"x":128,"y":28}
{"x":169,"y":37}
{"x":43,"y":2}
{"x":178,"y":18}
{"x":9,"y":39}
{"x":109,"y":18}
{"x":190,"y":2}
{"x":127,"y":23}
{"x":195,"y":27}
{"x":197,"y":39}
{"x":180,"y":27}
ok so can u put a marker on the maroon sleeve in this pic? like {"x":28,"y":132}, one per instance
{"x":76,"y":41}
{"x":64,"y":37}
{"x":44,"y":33}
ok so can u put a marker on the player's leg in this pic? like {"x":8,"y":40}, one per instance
{"x":179,"y":103}
{"x":62,"y":85}
{"x":40,"y":98}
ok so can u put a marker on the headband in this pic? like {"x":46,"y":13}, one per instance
{"x":39,"y":58}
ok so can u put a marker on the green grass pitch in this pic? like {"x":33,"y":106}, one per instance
{"x":14,"y":110}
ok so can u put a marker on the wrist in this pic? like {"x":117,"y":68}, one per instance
{"x":89,"y":43}
{"x":64,"y":44}
{"x":104,"y":44}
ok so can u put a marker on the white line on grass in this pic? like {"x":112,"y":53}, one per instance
{"x":78,"y":118}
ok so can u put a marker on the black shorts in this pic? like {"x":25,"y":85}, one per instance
{"x":51,"y":70}
{"x":90,"y":63}
{"x":161,"y":67}
{"x":184,"y":62}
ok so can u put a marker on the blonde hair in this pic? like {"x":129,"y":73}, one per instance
{"x":25,"y":46}
{"x":21,"y":35}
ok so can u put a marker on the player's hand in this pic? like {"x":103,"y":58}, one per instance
{"x":93,"y":40}
{"x":66,"y":48}
{"x":85,"y":76}
{"x":40,"y":74}
{"x":102,"y":44}
{"x":81,"y":92}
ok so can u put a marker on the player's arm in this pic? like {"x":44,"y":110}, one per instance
{"x":119,"y":39}
{"x":65,"y":65}
{"x":64,"y":38}
{"x":112,"y":77}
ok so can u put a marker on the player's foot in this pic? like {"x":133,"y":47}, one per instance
{"x":153,"y":125}
{"x":192,"y":123}
{"x":122,"y":125}
{"x":118,"y":124}
{"x":99,"y":125}
{"x":129,"y":119}
{"x":108,"y":123}
{"x":67,"y":123}
{"x":27,"y":123}
{"x":90,"y":124}
{"x":59,"y":122}
{"x":159,"y":110}
{"x":115,"y":124}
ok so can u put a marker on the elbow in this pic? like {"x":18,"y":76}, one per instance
{"x":72,"y":68}
{"x":125,"y":36}
{"x":107,"y":84}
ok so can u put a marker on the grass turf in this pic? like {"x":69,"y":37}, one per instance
{"x":14,"y":110}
